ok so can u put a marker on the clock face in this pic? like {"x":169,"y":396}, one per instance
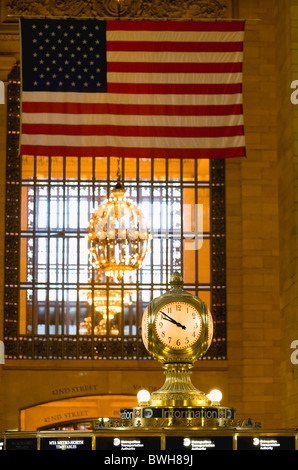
{"x":178,"y":325}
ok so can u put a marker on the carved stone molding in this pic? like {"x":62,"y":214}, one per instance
{"x":126,"y":8}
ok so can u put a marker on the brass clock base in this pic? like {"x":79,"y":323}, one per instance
{"x":177,"y":404}
{"x":178,"y":389}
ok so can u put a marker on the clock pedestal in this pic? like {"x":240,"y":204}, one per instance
{"x":178,"y":389}
{"x":177,"y":405}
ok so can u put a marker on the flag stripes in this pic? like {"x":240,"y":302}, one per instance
{"x":173,"y":89}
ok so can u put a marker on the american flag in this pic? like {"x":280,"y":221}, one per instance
{"x":132,"y":88}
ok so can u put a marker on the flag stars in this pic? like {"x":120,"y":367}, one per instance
{"x":67,"y":56}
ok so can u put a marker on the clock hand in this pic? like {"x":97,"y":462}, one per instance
{"x":166,"y":317}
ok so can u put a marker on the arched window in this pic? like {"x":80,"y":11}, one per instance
{"x":48,"y":279}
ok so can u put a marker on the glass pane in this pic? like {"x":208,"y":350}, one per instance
{"x":189,"y":211}
{"x":41,"y":261}
{"x":101,"y":168}
{"x":70,"y":311}
{"x":204,"y":199}
{"x":115,"y":163}
{"x":25,"y":322}
{"x":203,"y":170}
{"x":86,"y":168}
{"x":159,"y":169}
{"x":42,"y":207}
{"x":72,"y":168}
{"x":27,"y":167}
{"x":23,"y":260}
{"x":189,"y":170}
{"x":57,"y":168}
{"x":42,"y":168}
{"x":130,"y":168}
{"x":204,"y":262}
{"x":174,"y":169}
{"x":55,"y":260}
{"x":145,"y":169}
{"x":189,"y":262}
{"x":40,"y":311}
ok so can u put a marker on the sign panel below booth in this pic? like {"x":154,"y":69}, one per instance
{"x":266,"y":443}
{"x":25,"y":443}
{"x":117,"y":443}
{"x":56,"y":443}
{"x":199,"y":443}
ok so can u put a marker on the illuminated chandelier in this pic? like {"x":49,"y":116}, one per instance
{"x":118,"y":235}
{"x":110,"y":306}
{"x":107,"y":308}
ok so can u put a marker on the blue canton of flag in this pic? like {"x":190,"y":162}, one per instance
{"x":66,"y":56}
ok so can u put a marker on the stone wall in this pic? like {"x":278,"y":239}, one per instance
{"x":252,"y":231}
{"x":287,"y":65}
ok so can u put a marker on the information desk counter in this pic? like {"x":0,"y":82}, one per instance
{"x":182,"y":440}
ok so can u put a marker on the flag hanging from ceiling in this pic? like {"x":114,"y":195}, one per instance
{"x":132,"y":88}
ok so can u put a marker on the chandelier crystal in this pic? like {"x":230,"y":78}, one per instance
{"x":118,"y":236}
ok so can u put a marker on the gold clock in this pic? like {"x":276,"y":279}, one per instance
{"x":177,"y":326}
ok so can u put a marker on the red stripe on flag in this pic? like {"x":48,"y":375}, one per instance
{"x":131,"y":109}
{"x":172,"y":67}
{"x":170,"y":46}
{"x":175,"y":88}
{"x":131,"y":131}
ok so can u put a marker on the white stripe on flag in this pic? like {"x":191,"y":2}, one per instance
{"x":137,"y":142}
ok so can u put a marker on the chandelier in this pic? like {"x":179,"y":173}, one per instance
{"x":107,"y":308}
{"x":118,"y":235}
